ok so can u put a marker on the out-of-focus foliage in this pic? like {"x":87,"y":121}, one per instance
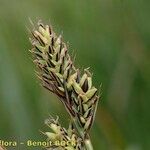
{"x":110,"y":36}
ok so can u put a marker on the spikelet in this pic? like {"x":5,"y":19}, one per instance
{"x":61,"y":138}
{"x":58,"y":74}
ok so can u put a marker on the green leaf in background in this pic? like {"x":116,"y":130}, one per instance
{"x":110,"y":36}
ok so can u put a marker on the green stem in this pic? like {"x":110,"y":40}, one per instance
{"x":86,"y":139}
{"x":88,"y":144}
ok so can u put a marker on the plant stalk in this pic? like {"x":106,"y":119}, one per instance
{"x":86,"y":140}
{"x":88,"y":144}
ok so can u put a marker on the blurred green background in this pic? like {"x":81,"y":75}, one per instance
{"x":110,"y":36}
